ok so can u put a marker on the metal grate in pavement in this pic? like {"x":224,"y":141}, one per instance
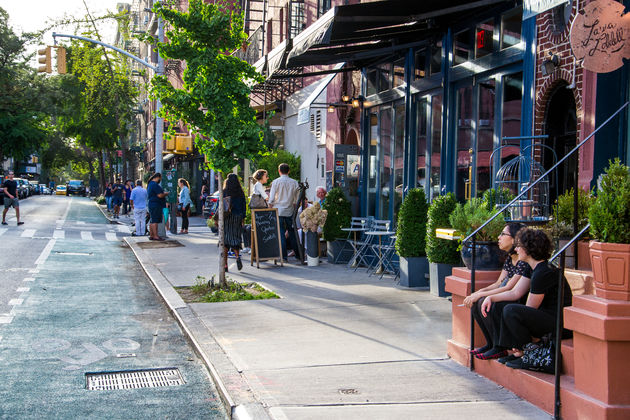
{"x":132,"y":379}
{"x":159,"y":244}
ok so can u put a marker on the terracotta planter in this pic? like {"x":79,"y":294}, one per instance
{"x":611,"y":270}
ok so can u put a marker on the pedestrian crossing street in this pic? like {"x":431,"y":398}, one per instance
{"x":116,"y":234}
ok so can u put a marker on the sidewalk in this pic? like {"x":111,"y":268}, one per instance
{"x":338,"y":345}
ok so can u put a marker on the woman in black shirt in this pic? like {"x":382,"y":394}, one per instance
{"x":522,"y":324}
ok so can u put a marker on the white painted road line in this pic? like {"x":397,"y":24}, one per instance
{"x":22,"y":289}
{"x":59,"y":234}
{"x":123,"y":228}
{"x":33,"y":271}
{"x":29,"y":278}
{"x":3,"y":231}
{"x":14,"y":302}
{"x":6,"y":319}
{"x":86,"y":236}
{"x":45,"y":253}
{"x":28,"y":233}
{"x":110,"y":236}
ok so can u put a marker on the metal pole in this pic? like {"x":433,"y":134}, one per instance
{"x":558,"y":338}
{"x":159,"y":121}
{"x":472,"y":290}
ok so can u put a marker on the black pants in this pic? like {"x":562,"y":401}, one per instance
{"x":520,"y":323}
{"x":247,"y":236}
{"x":490,"y":325}
{"x":286,"y":225}
{"x":185,"y":217}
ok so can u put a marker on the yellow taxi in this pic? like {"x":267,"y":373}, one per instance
{"x":60,"y":190}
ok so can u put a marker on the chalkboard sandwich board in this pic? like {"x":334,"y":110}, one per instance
{"x":266,"y":243}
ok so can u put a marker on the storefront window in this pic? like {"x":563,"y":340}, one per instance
{"x":385,"y":131}
{"x":511,"y":27}
{"x":436,"y":58}
{"x":372,"y":163}
{"x":421,"y":142}
{"x":436,"y":144}
{"x":399,"y":72}
{"x":399,"y":156}
{"x":385,"y":77}
{"x":462,"y":47}
{"x":511,"y":119}
{"x":483,"y":38}
{"x":485,"y":136}
{"x":464,"y":134}
{"x":421,"y":64}
{"x":372,"y":82}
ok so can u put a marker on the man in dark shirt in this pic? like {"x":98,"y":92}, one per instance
{"x":11,"y":198}
{"x":117,"y":197}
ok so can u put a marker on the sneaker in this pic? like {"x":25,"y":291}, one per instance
{"x":506,"y":359}
{"x":231,"y":254}
{"x":239,"y":264}
{"x":516,"y":363}
{"x":4,"y":223}
{"x":20,"y":223}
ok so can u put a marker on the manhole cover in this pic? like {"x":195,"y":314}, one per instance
{"x":348,"y":391}
{"x":131,"y":379}
{"x":159,"y":244}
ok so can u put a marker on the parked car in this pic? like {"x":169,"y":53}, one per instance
{"x":210,"y":205}
{"x":61,"y":190}
{"x":34,"y":187}
{"x":75,"y":187}
{"x":23,"y":189}
{"x":46,"y":191}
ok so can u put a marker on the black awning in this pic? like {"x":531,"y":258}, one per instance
{"x":361,"y":32}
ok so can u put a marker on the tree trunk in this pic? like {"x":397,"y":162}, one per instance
{"x":101,"y":170}
{"x":112,"y":172}
{"x":222,"y":256}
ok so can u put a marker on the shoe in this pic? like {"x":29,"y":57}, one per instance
{"x":4,"y":223}
{"x":20,"y":223}
{"x":231,"y":254}
{"x":239,"y":264}
{"x":508,"y":358}
{"x":480,"y":350}
{"x":493,"y":353}
{"x":516,"y":363}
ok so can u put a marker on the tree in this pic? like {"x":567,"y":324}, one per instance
{"x":214,"y":98}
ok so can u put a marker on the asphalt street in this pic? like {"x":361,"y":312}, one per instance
{"x":74,"y":303}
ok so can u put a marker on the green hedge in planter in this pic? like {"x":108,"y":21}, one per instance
{"x":411,"y":231}
{"x":441,"y":250}
{"x":339,"y":215}
{"x":609,"y":214}
{"x":467,"y":217}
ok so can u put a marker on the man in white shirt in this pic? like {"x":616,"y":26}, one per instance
{"x":138,"y":200}
{"x":282,"y":196}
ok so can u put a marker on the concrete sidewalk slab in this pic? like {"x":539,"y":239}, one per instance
{"x":339,"y":344}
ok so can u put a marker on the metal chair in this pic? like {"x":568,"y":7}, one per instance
{"x":390,"y":261}
{"x":370,"y":246}
{"x":357,"y":224}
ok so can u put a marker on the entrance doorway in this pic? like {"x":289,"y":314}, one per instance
{"x":561,"y":127}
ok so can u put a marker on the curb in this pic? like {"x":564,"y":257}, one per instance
{"x":109,"y":219}
{"x":198,"y":334}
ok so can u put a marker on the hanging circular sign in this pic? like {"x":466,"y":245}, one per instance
{"x":599,"y":36}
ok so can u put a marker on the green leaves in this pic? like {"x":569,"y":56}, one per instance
{"x":214,"y":98}
{"x":412,"y":225}
{"x":441,"y":250}
{"x":339,"y":214}
{"x":609,"y":215}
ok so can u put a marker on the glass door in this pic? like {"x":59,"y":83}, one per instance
{"x":428,"y":144}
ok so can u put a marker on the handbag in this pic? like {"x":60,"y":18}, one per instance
{"x":540,"y":356}
{"x":257,"y":202}
{"x":227,"y":204}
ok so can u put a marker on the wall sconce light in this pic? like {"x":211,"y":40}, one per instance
{"x":331,"y":108}
{"x":550,"y":64}
{"x":357,"y":102}
{"x":345,"y":98}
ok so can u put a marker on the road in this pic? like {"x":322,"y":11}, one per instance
{"x":74,"y":302}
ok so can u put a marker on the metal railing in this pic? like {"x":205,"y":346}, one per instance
{"x":472,"y":238}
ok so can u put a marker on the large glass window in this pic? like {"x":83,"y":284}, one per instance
{"x":485,"y":135}
{"x":372,"y":163}
{"x":385,"y":77}
{"x":422,"y":133}
{"x":372,"y":82}
{"x":462,"y":47}
{"x":465,"y":127}
{"x":385,"y":131}
{"x":484,"y":38}
{"x":511,"y":27}
{"x":399,"y":156}
{"x":421,"y":64}
{"x":399,"y":72}
{"x":436,"y":144}
{"x":436,"y":58}
{"x":511,"y":116}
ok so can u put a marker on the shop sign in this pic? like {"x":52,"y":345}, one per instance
{"x":599,"y":36}
{"x":532,"y":8}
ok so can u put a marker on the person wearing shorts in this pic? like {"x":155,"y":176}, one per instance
{"x":11,"y":198}
{"x":117,"y":197}
{"x":156,"y":202}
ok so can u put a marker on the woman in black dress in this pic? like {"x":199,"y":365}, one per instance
{"x":233,"y":219}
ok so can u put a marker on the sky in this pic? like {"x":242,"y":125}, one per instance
{"x":32,"y":15}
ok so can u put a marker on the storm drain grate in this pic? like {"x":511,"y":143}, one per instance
{"x":131,"y":379}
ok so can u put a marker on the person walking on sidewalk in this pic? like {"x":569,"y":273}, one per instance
{"x":126,"y":203}
{"x":117,"y":197}
{"x":11,"y":198}
{"x":233,"y":218}
{"x":283,"y":196}
{"x":156,"y":202}
{"x":138,"y":200}
{"x":108,"y":197}
{"x":184,"y":203}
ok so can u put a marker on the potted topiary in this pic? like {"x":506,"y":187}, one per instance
{"x":609,"y":216}
{"x":441,"y":253}
{"x":339,"y":216}
{"x":561,"y":227}
{"x":468,"y":217}
{"x":411,"y":239}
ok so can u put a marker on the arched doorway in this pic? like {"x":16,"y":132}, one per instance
{"x":561,"y":127}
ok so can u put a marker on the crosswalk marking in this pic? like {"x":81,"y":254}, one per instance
{"x":6,"y":319}
{"x":22,"y":289}
{"x":28,"y":233}
{"x":110,"y":236}
{"x":14,"y":302}
{"x":123,"y":228}
{"x":29,"y":278}
{"x":3,"y":231}
{"x":59,"y":234}
{"x":86,"y":236}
